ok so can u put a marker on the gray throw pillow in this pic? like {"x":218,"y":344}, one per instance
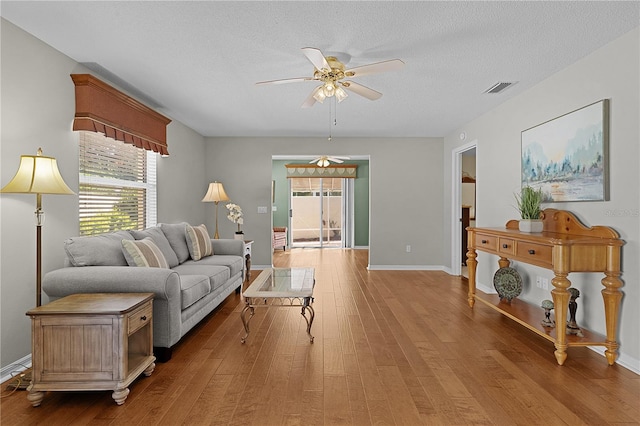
{"x":158,"y":237}
{"x":97,"y":250}
{"x":176,"y":233}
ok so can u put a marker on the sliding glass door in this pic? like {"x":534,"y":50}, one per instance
{"x":317,"y":212}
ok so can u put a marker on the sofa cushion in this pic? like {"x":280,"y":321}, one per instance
{"x":143,"y":253}
{"x":176,"y":233}
{"x":234,"y":263}
{"x":193,"y":288}
{"x":158,"y":237}
{"x":97,"y":250}
{"x":198,"y":242}
{"x":218,"y":275}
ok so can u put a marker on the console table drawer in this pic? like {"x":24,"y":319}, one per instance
{"x":506,"y":246}
{"x":140,"y":318}
{"x":486,"y":242}
{"x":536,"y":254}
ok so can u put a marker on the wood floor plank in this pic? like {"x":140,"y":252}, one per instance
{"x":390,"y":348}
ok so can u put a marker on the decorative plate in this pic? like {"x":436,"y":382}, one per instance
{"x":507,"y":283}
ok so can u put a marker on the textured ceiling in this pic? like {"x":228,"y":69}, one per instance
{"x":198,"y":62}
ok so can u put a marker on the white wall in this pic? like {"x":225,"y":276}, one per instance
{"x":37,"y":109}
{"x":406,"y":192}
{"x":611,"y":72}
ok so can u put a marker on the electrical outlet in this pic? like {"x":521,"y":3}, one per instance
{"x":539,"y":282}
{"x":262,"y":209}
{"x":408,"y":248}
{"x":545,"y":283}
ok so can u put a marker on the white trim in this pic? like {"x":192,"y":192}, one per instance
{"x":623,"y":360}
{"x":405,"y":268}
{"x":14,"y":368}
{"x":456,"y":205}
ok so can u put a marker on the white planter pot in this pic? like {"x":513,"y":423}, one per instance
{"x":530,"y":225}
{"x":238,"y":236}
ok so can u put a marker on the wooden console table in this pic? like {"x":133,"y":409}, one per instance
{"x":565,"y":245}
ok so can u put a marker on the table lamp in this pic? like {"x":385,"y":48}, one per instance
{"x":215,"y":194}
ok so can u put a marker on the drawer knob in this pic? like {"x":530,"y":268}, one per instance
{"x":505,"y":246}
{"x":484,"y":241}
{"x":143,"y":318}
{"x":532,"y":252}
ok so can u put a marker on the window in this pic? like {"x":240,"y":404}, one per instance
{"x":117,"y":185}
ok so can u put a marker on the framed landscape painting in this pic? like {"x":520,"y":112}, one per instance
{"x":567,"y":157}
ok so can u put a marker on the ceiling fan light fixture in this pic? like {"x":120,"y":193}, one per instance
{"x":329,"y":89}
{"x":323,"y":162}
{"x":341,"y":94}
{"x":319,"y":94}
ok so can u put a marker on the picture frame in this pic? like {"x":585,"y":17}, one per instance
{"x":568,"y":157}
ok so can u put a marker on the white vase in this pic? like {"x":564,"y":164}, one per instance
{"x":530,"y":225}
{"x":239,"y":236}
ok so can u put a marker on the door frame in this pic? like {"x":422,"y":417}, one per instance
{"x":456,"y":204}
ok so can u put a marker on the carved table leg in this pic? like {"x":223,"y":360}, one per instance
{"x":34,"y":397}
{"x":245,"y":321}
{"x":312,"y":315}
{"x":147,"y":372}
{"x":612,"y":297}
{"x":561,"y":302}
{"x":472,"y":263}
{"x":120,"y":395}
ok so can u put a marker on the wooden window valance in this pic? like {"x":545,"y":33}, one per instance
{"x":104,"y":109}
{"x":312,"y":171}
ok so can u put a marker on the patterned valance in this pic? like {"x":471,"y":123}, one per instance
{"x":104,"y":109}
{"x":312,"y":171}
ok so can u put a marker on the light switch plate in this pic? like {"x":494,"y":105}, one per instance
{"x":262,"y":209}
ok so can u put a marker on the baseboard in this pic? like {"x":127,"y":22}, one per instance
{"x":405,"y":268}
{"x":15,"y":368}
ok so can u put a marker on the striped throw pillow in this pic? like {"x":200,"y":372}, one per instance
{"x":143,"y":253}
{"x":199,"y":242}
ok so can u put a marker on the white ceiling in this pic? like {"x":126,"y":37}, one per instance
{"x":198,"y":62}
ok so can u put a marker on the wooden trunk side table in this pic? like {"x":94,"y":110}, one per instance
{"x":91,"y":342}
{"x":565,"y":245}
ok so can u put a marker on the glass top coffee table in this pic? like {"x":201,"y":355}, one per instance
{"x":280,"y":287}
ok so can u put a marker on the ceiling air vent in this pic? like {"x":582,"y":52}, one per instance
{"x":499,"y":87}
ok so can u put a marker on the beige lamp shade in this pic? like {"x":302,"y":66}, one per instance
{"x":215,"y":193}
{"x":37,"y":174}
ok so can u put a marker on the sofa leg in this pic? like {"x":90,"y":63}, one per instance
{"x":162,"y":354}
{"x":238,"y":290}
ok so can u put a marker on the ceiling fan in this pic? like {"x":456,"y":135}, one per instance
{"x":325,"y":160}
{"x":332,"y":73}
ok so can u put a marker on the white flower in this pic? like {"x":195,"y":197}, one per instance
{"x":235,"y":213}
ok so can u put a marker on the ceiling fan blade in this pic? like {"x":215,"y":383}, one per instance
{"x":335,"y":160}
{"x":361,"y":90}
{"x":311,"y":100}
{"x":378,"y":67}
{"x":286,"y":80}
{"x":316,"y":57}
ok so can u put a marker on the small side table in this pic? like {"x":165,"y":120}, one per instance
{"x":91,"y":342}
{"x":247,"y":256}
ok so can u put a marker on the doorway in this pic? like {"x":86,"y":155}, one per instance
{"x":317,"y":212}
{"x":464,"y":182}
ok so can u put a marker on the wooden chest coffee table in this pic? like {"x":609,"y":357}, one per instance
{"x":91,"y":342}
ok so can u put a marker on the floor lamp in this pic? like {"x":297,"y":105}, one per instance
{"x":215,"y":194}
{"x":38,"y":175}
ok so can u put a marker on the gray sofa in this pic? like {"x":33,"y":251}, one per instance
{"x":184,"y":293}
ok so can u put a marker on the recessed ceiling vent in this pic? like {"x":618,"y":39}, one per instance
{"x":499,"y":87}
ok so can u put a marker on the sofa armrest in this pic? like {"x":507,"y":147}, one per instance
{"x":163,"y":283}
{"x":228,"y":247}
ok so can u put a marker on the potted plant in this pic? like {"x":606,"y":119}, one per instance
{"x":235,"y":216}
{"x":528,"y":203}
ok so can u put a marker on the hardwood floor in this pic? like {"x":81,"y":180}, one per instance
{"x":391,"y":347}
